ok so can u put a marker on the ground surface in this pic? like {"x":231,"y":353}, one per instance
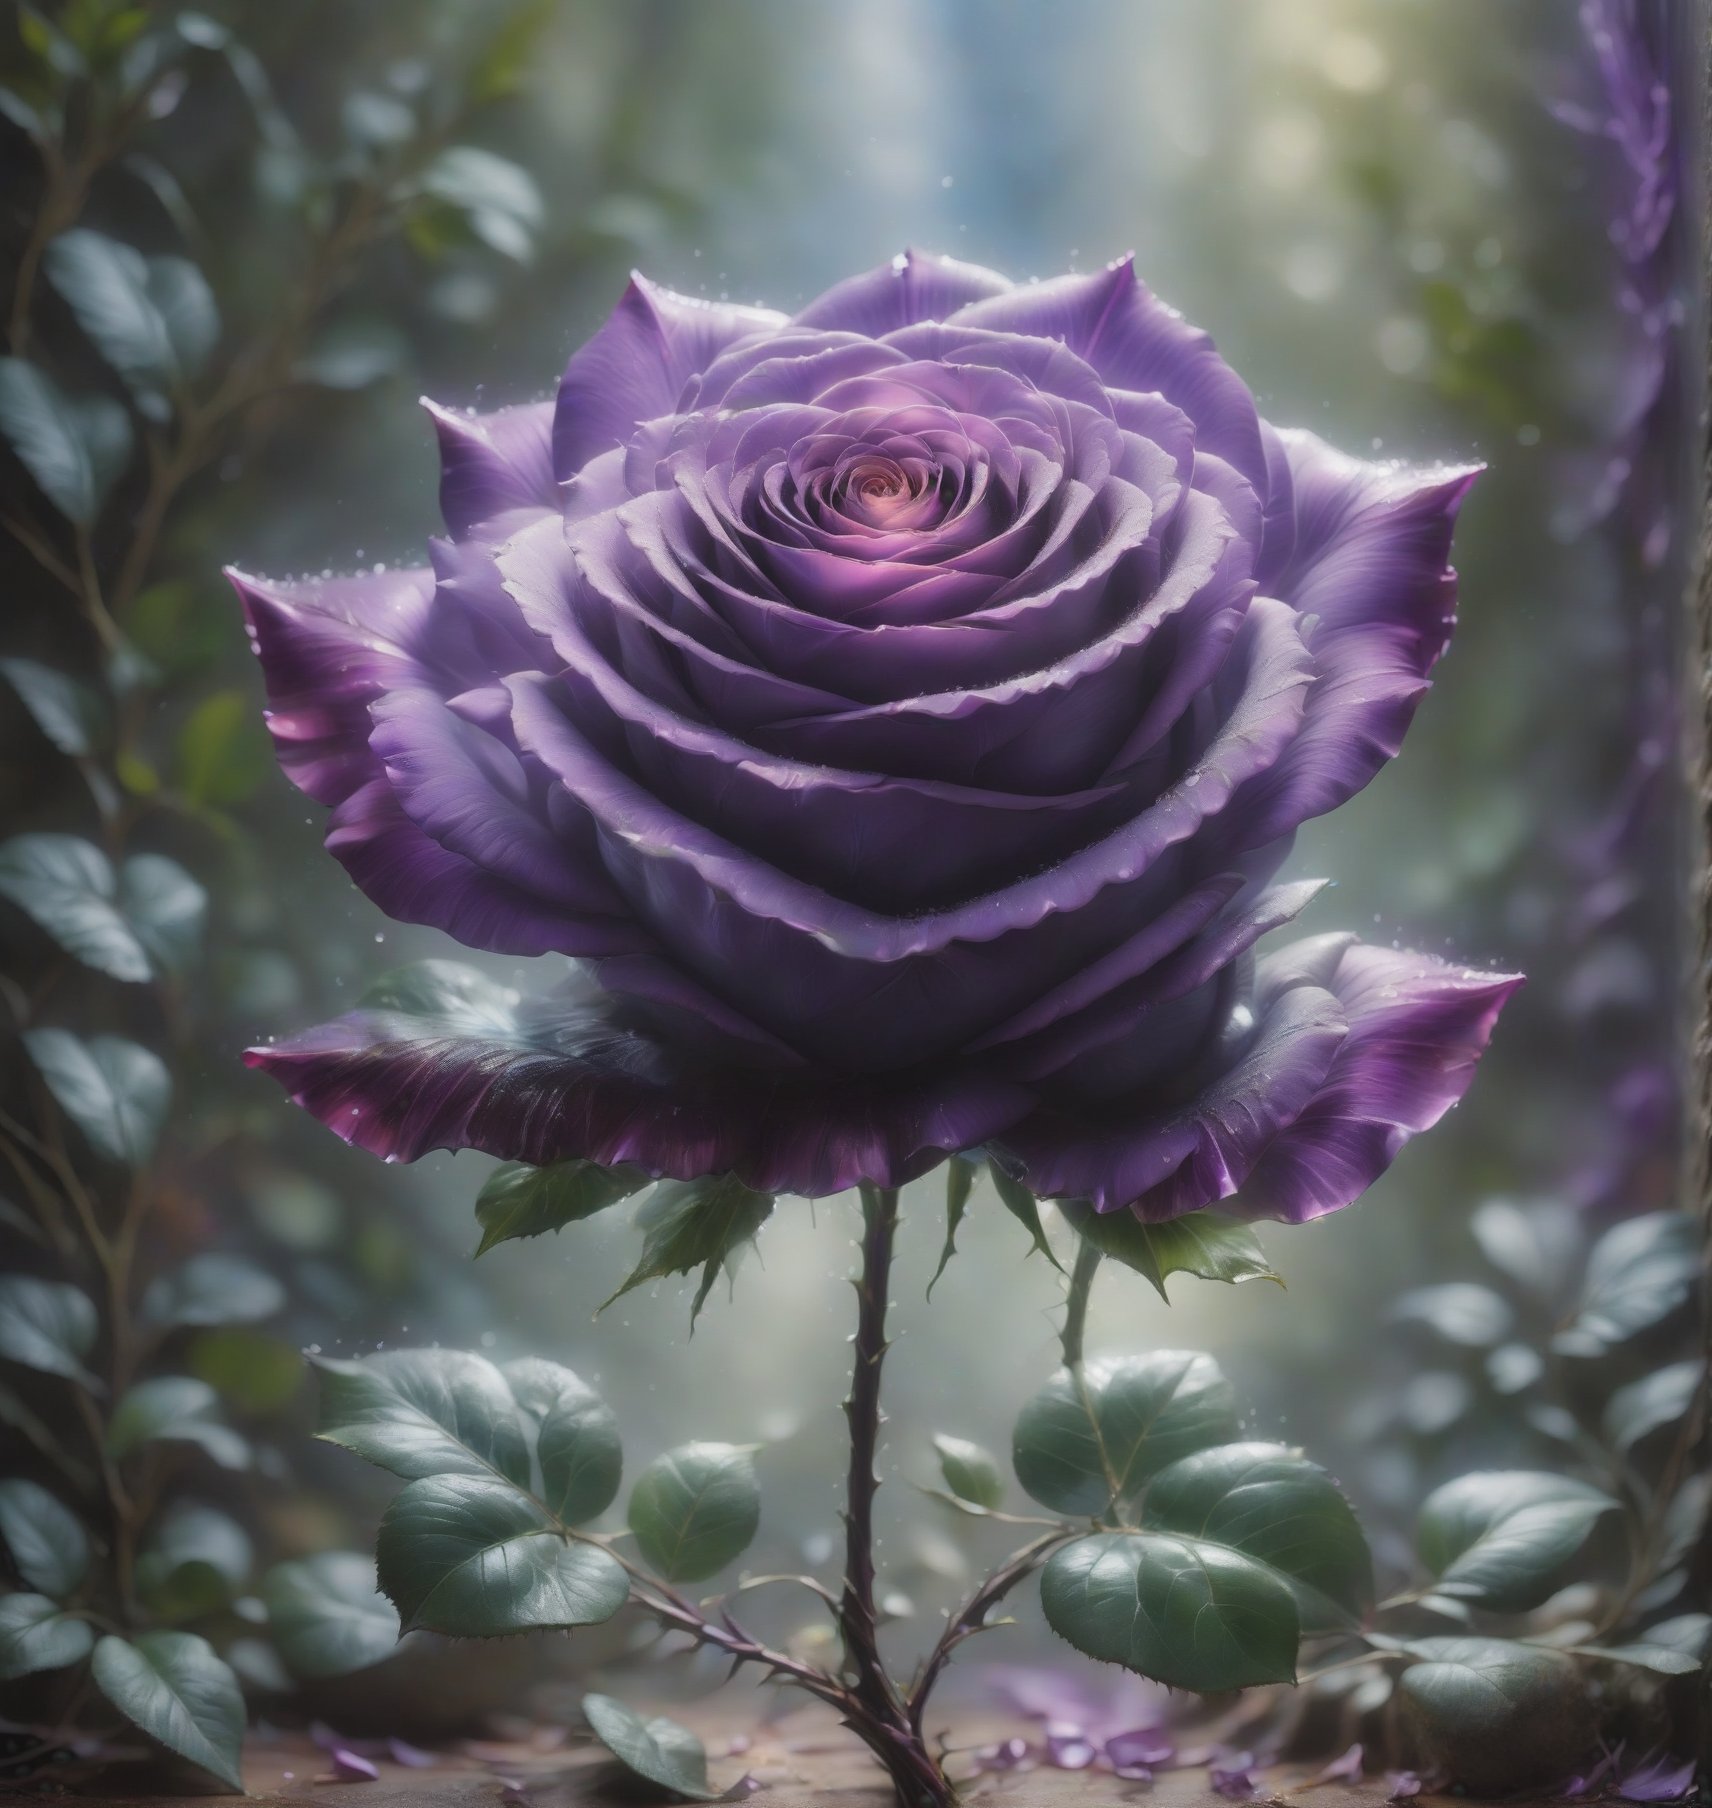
{"x":806,"y":1760}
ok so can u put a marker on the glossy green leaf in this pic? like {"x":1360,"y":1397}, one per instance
{"x":1651,"y":1403}
{"x":970,"y":1472}
{"x":116,"y":1092}
{"x":1022,"y":1205}
{"x":49,"y":1326}
{"x":960,"y":1175}
{"x":695,"y":1509}
{"x":175,"y":1409}
{"x":153,"y":320}
{"x":166,"y":910}
{"x":1640,"y":1272}
{"x":1204,"y":1244}
{"x":1093,"y":1435}
{"x":212,"y":1289}
{"x":477,"y":1558}
{"x":36,"y":1635}
{"x":425,"y":1412}
{"x":67,"y":887}
{"x":175,"y":1687}
{"x":577,"y":1446}
{"x":194,"y":1560}
{"x":521,"y":1201}
{"x":326,"y":1615}
{"x":73,"y":715}
{"x":658,"y":1750}
{"x":1274,"y":1506}
{"x":1500,"y":1537}
{"x":49,"y":1547}
{"x":1187,"y":1613}
{"x":75,"y":449}
{"x":689,"y":1224}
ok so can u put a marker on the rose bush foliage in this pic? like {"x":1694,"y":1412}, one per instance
{"x":900,"y":712}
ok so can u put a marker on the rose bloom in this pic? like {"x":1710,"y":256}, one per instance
{"x":900,"y":711}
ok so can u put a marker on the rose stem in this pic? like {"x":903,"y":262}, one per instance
{"x":1076,"y":1302}
{"x":913,"y":1771}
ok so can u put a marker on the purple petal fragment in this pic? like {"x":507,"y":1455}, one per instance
{"x":1660,"y":1779}
{"x":902,"y":710}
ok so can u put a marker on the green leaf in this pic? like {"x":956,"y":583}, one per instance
{"x":212,"y":1289}
{"x":1093,"y":1435}
{"x":688,"y":1224}
{"x":1651,"y":1403}
{"x":498,"y":198}
{"x":1663,"y":1660}
{"x":1500,"y":1537}
{"x":521,"y":1201}
{"x":1189,"y":1614}
{"x":476,"y":1558}
{"x":153,"y":320}
{"x":352,"y":354}
{"x":423,"y":1413}
{"x":1491,"y":1708}
{"x":659,"y":1750}
{"x":255,"y":1372}
{"x":577,"y":1446}
{"x":223,"y":751}
{"x":175,"y":1409}
{"x":194,"y":1561}
{"x":1272,"y":1505}
{"x":1472,"y":1317}
{"x":72,"y":714}
{"x":695,"y":1509}
{"x":165,"y":908}
{"x":173,"y":1686}
{"x":50,"y":1549}
{"x":66,"y":886}
{"x":116,"y":1092}
{"x":1640,"y":1272}
{"x":959,"y":1183}
{"x":76,"y":450}
{"x":49,"y":1326}
{"x":326,"y":1615}
{"x":451,"y":995}
{"x":35,"y":1635}
{"x":1021,"y":1204}
{"x":1205,"y":1244}
{"x":187,"y":309}
{"x":970,"y":1472}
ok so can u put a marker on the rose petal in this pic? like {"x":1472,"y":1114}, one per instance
{"x":493,"y":466}
{"x":636,"y":366}
{"x":915,"y":285}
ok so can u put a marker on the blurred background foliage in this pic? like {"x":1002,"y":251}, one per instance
{"x":1394,"y":236}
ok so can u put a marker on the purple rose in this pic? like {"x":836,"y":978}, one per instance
{"x":900,"y":712}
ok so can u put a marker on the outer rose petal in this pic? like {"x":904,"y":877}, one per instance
{"x":1356,"y":1050}
{"x":915,"y":285}
{"x":576,"y":1078}
{"x":493,"y":464}
{"x":636,"y":366}
{"x":1417,"y":1030}
{"x":1369,"y":577}
{"x":328,"y":649}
